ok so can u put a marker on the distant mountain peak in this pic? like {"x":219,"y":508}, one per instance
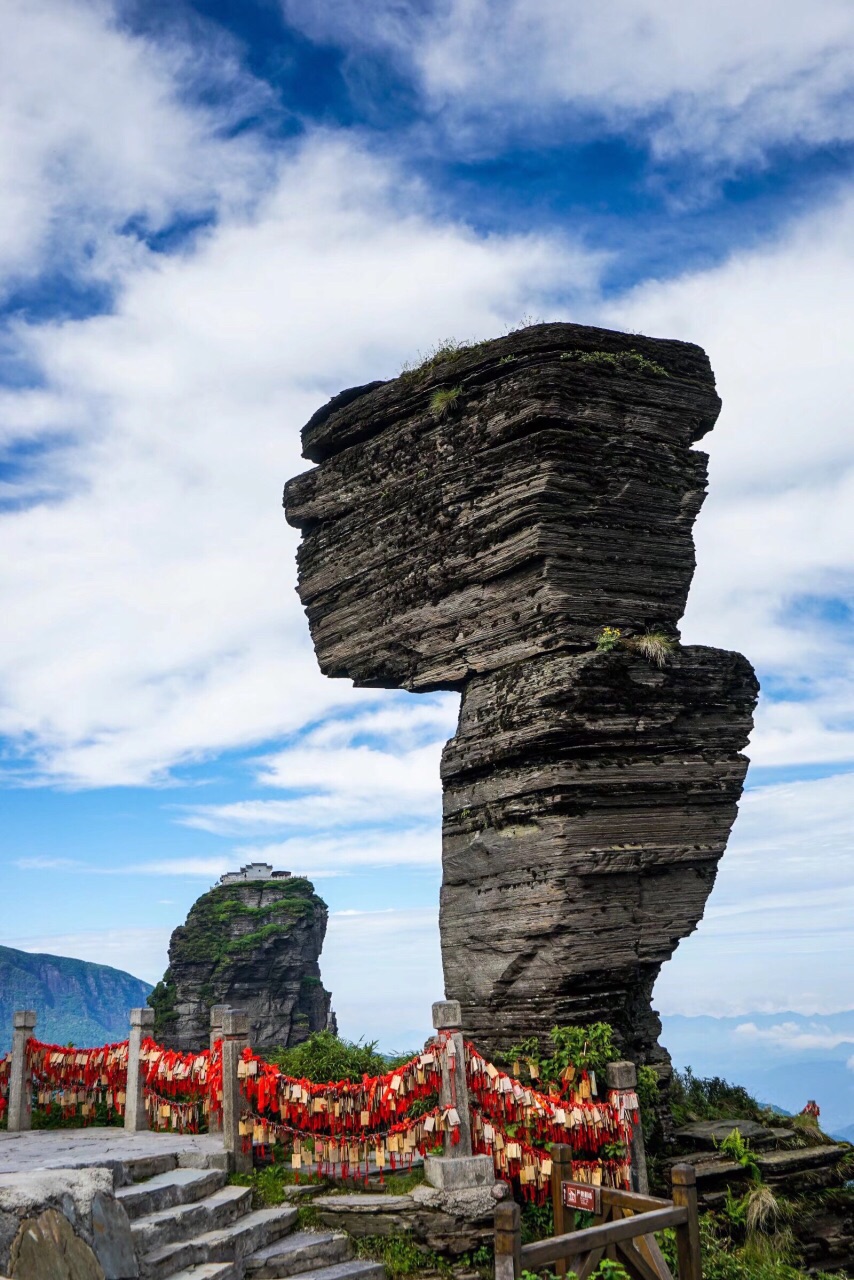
{"x":75,"y":1000}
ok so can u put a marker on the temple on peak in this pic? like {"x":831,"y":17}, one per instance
{"x":253,"y":871}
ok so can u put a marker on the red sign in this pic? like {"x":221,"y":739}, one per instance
{"x":580,"y":1195}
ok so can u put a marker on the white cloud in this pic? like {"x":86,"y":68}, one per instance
{"x":718,"y":79}
{"x":95,"y":130}
{"x":792,"y":1036}
{"x":774,"y":537}
{"x":395,"y":952}
{"x":777,"y":933}
{"x":391,"y":794}
{"x":152,"y":615}
{"x":317,"y":855}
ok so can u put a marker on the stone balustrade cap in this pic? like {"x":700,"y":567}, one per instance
{"x":235,"y":1023}
{"x":24,"y":1019}
{"x":447,"y":1015}
{"x":142,"y":1018}
{"x":621,"y":1075}
{"x":218,"y":1012}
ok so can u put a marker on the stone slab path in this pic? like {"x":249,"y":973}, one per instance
{"x":80,"y":1148}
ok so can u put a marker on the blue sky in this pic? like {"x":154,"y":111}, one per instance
{"x":213,"y":216}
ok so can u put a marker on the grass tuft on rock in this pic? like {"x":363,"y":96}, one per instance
{"x":655,"y":646}
{"x":446,"y":352}
{"x":617,"y":362}
{"x":444,"y":401}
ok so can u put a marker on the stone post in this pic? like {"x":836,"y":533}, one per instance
{"x":235,"y":1038}
{"x":447,"y":1016}
{"x":457,"y":1168}
{"x":20,"y":1080}
{"x":141,"y":1027}
{"x":217,"y":1012}
{"x":622,"y":1077}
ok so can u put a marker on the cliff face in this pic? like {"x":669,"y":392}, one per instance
{"x":253,"y":946}
{"x":479,"y":540}
{"x":87,"y":1004}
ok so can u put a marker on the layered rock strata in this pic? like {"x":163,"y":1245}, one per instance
{"x":473,"y":525}
{"x":254,"y":946}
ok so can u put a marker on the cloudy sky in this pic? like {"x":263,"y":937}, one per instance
{"x":215,"y":215}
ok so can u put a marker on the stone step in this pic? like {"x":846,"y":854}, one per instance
{"x":138,"y":1168}
{"x":230,"y":1244}
{"x":781,"y":1164}
{"x":204,"y":1160}
{"x":707,"y":1135}
{"x":176,"y":1186}
{"x":183,"y":1221}
{"x":302,"y":1251}
{"x":358,"y":1269}
{"x":209,"y":1271}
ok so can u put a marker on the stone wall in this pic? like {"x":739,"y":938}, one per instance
{"x":64,"y":1224}
{"x":472,"y":526}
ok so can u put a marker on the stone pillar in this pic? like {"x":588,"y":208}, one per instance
{"x":622,"y":1077}
{"x":217,"y":1012}
{"x":141,"y":1027}
{"x":447,"y":1016}
{"x":235,"y":1038}
{"x":457,"y":1168}
{"x":20,"y":1080}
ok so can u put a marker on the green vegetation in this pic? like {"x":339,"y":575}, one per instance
{"x":608,"y":639}
{"x":444,"y":401}
{"x":648,"y":1094}
{"x":403,"y":1256}
{"x":765,"y":1257}
{"x":693,"y":1098}
{"x":617,"y":362}
{"x":607,"y":1270}
{"x":655,"y":646}
{"x":400,"y":1184}
{"x":268,"y":1184}
{"x":163,"y":1000}
{"x":324,"y":1056}
{"x":588,"y":1048}
{"x":538,"y":1221}
{"x":400,"y":1255}
{"x":207,"y":935}
{"x":447,"y":352}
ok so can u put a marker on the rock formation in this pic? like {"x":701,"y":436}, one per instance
{"x":254,"y":946}
{"x":473,"y":525}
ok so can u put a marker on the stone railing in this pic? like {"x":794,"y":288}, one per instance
{"x":456,"y":1169}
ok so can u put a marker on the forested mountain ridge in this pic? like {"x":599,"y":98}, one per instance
{"x":75,"y":1000}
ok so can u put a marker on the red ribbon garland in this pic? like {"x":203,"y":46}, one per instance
{"x":369,"y":1111}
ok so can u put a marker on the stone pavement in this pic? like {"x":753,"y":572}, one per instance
{"x":80,"y":1148}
